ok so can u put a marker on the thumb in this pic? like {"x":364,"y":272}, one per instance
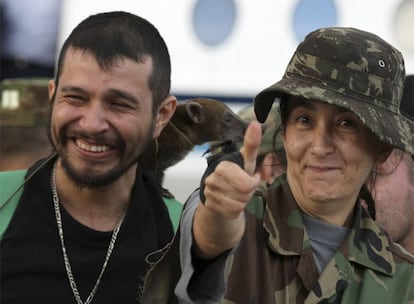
{"x":251,"y":142}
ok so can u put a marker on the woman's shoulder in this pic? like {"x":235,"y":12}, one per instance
{"x":401,"y":255}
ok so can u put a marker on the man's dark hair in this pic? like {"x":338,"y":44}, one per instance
{"x":112,"y":35}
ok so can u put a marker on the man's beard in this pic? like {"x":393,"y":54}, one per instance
{"x":88,"y":177}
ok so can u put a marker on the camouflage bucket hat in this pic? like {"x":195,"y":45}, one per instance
{"x":24,"y":102}
{"x":352,"y":69}
{"x":271,"y":124}
{"x":407,"y":104}
{"x":407,"y":100}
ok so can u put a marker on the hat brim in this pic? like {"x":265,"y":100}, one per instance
{"x":392,"y":128}
{"x":409,"y":122}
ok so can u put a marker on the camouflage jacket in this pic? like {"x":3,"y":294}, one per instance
{"x":274,"y":262}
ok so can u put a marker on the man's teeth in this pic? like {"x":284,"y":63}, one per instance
{"x":91,"y":148}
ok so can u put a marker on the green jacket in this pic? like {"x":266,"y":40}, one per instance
{"x":158,"y":289}
{"x":274,"y":262}
{"x":11,"y":187}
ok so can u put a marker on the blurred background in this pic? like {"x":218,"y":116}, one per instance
{"x":229,"y":49}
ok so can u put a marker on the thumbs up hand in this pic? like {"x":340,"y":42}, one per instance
{"x":219,"y":223}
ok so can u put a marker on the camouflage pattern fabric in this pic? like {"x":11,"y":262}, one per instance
{"x":268,"y":143}
{"x":271,"y":124}
{"x":407,"y":103}
{"x":352,"y":69}
{"x":407,"y":100}
{"x":274,"y":261}
{"x":24,"y":102}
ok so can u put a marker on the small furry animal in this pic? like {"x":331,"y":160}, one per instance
{"x":195,"y":122}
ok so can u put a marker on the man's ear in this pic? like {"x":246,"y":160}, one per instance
{"x":51,"y":88}
{"x":165,"y":111}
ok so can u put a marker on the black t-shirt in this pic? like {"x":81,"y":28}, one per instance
{"x":31,"y":259}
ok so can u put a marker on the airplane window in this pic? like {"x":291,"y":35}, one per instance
{"x":312,"y":14}
{"x":213,"y":20}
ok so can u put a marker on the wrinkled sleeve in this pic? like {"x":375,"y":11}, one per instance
{"x":207,"y":286}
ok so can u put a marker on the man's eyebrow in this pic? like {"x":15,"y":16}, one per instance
{"x":72,"y":89}
{"x":110,"y":92}
{"x":123,"y":95}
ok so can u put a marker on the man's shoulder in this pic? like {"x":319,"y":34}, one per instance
{"x":10,"y":181}
{"x":11,"y":184}
{"x":4,"y":174}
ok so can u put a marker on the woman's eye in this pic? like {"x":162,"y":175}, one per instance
{"x":348,"y":123}
{"x":303,"y":119}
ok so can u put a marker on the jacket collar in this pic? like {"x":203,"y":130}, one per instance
{"x":367,"y":244}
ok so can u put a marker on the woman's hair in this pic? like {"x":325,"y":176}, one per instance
{"x":410,"y":163}
{"x":369,"y":201}
{"x":280,"y":153}
{"x":283,"y":106}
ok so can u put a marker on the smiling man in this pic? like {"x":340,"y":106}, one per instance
{"x":89,"y":224}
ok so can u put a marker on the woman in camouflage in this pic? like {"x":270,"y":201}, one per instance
{"x":308,"y":240}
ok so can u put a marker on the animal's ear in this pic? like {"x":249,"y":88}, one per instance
{"x":195,"y":111}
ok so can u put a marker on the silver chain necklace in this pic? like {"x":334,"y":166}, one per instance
{"x":65,"y":256}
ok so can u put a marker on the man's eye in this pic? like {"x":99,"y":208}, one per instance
{"x":120,"y":104}
{"x":74,"y":98}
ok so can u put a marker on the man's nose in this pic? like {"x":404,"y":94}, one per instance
{"x":94,"y":118}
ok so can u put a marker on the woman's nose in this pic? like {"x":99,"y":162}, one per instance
{"x":322,"y":142}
